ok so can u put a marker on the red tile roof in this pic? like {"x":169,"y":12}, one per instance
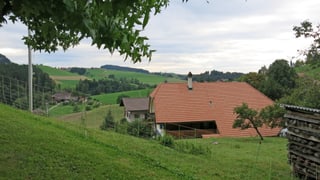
{"x":174,"y":102}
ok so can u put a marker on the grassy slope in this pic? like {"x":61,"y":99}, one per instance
{"x":54,"y":71}
{"x":145,"y":78}
{"x":309,"y":71}
{"x":66,"y":79}
{"x":95,"y":117}
{"x":69,"y":80}
{"x":111,"y":98}
{"x":34,"y":147}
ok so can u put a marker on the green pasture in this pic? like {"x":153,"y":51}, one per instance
{"x":67,"y":84}
{"x":95,"y":117}
{"x":309,"y":71}
{"x":111,"y":98}
{"x":34,"y":147}
{"x":96,"y":73}
{"x":54,"y":71}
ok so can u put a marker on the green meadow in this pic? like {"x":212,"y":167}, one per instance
{"x":98,"y":73}
{"x":111,"y":98}
{"x":55,"y":71}
{"x":310,"y":71}
{"x":67,"y":79}
{"x":34,"y":147}
{"x":94,"y":118}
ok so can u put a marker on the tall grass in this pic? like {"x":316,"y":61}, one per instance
{"x":34,"y":147}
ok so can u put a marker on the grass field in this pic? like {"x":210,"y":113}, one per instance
{"x":309,"y":71}
{"x":34,"y":147}
{"x":54,"y":71}
{"x":63,"y":78}
{"x":112,"y":97}
{"x":96,"y":73}
{"x":95,"y":117}
{"x":67,"y":79}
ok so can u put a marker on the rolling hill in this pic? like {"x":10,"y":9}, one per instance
{"x":67,"y":79}
{"x":34,"y":147}
{"x":64,"y":78}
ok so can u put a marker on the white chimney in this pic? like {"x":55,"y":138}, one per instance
{"x":190,"y":81}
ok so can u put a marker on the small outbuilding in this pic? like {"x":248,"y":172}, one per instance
{"x":135,"y":108}
{"x":303,"y":141}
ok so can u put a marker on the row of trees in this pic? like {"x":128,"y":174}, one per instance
{"x":14,"y":88}
{"x":95,"y":87}
{"x":281,"y":83}
{"x":276,"y":81}
{"x":216,"y":76}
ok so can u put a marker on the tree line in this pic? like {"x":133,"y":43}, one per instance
{"x":95,"y":87}
{"x":14,"y":87}
{"x":216,"y":76}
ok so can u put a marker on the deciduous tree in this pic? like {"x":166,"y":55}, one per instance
{"x":250,"y":118}
{"x":307,"y":30}
{"x":112,"y":25}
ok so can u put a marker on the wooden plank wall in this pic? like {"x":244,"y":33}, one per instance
{"x":304,"y":143}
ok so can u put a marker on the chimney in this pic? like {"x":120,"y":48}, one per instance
{"x":190,"y":81}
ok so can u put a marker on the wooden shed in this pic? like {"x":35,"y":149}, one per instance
{"x":303,"y":141}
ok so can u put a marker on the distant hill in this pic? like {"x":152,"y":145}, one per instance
{"x":4,"y":59}
{"x":121,"y":68}
{"x":216,"y":76}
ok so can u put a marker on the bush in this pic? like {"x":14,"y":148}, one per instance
{"x":167,"y":140}
{"x":140,"y":128}
{"x":192,"y":148}
{"x":88,"y":108}
{"x":76,"y":108}
{"x":96,"y":105}
{"x":108,"y":122}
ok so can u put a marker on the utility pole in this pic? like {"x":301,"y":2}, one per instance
{"x":30,"y":76}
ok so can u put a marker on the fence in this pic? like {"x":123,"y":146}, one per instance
{"x":184,"y":131}
{"x":14,"y":92}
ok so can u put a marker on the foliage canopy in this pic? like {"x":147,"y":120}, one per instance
{"x":112,"y":25}
{"x":247,"y":117}
{"x":307,"y":30}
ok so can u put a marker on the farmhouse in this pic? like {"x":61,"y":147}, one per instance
{"x":204,"y":109}
{"x":135,"y":108}
{"x":62,"y":97}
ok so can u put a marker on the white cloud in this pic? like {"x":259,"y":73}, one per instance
{"x":235,"y":35}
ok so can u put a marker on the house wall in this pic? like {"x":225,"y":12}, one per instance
{"x":132,"y":115}
{"x":160,"y":129}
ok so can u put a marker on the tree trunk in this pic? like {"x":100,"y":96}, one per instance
{"x":258,"y":133}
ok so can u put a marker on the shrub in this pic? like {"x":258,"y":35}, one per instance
{"x":192,"y":148}
{"x":167,"y":140}
{"x":108,"y":122}
{"x":76,"y":108}
{"x":96,"y":105}
{"x":140,"y":128}
{"x":88,"y":108}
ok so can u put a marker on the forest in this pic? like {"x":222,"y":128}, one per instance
{"x":14,"y":88}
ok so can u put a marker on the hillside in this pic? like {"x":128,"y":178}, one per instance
{"x":4,"y":59}
{"x":64,"y":78}
{"x":121,"y":68}
{"x":34,"y":147}
{"x":307,"y":70}
{"x":151,"y":79}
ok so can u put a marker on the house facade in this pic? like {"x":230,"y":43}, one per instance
{"x":135,"y":108}
{"x":195,"y":109}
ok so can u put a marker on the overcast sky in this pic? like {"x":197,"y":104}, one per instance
{"x":232,"y":35}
